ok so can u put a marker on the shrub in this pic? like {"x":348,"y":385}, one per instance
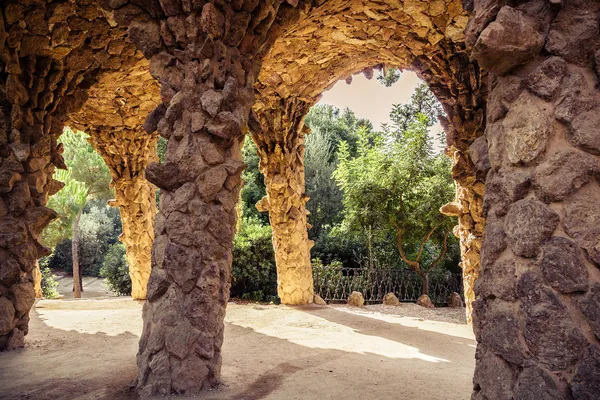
{"x":49,"y":284}
{"x":116,"y":271}
{"x":254,"y":275}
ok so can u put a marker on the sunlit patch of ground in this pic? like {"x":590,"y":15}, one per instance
{"x":85,"y":349}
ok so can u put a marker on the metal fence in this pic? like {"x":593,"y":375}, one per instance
{"x":334,"y":284}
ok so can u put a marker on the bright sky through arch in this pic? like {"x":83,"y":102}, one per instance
{"x":371,"y":99}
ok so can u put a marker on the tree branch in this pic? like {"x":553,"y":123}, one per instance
{"x":414,"y":265}
{"x":442,"y":253}
{"x":426,"y":239}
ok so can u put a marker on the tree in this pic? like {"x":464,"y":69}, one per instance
{"x":87,"y":178}
{"x":388,"y":76}
{"x":422,"y":103}
{"x":396,"y":186}
{"x":254,"y":188}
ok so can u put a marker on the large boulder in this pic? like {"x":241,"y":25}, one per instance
{"x":425,"y":301}
{"x":356,"y":299}
{"x":318,"y":300}
{"x":390,"y":299}
{"x":455,"y":301}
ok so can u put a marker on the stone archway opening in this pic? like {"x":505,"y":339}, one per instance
{"x":331,"y":43}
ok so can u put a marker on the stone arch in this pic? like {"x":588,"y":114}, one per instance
{"x":333,"y":42}
{"x":536,"y":313}
{"x":114,"y":115}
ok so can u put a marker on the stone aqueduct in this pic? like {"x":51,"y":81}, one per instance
{"x":518,"y":80}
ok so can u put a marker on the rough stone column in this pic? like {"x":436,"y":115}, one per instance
{"x":537,"y":313}
{"x":206,"y":57}
{"x":461,"y":87}
{"x":281,"y":150}
{"x":127,"y":154}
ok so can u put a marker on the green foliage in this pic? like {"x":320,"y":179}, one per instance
{"x":388,"y":76}
{"x":116,"y":271}
{"x":49,"y":284}
{"x":325,"y":203}
{"x":99,"y":228}
{"x":423,"y":103}
{"x":395,"y":187}
{"x":254,"y":189}
{"x":254,"y":275}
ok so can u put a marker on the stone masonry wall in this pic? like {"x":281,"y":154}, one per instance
{"x":280,"y":143}
{"x":50,"y":53}
{"x":537,"y":313}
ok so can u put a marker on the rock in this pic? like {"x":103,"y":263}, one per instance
{"x":10,"y":272}
{"x":582,"y":220}
{"x":504,"y":188}
{"x":507,"y":90}
{"x":583,"y":132}
{"x":534,"y":383}
{"x":390,"y":299}
{"x":512,"y":39}
{"x":527,"y":128}
{"x":563,"y":265}
{"x":573,"y":35}
{"x":586,"y":382}
{"x":146,"y":36}
{"x":356,"y":299}
{"x":7,"y":316}
{"x":16,"y":340}
{"x":590,"y":307}
{"x":551,"y":334}
{"x":12,"y":232}
{"x":564,"y":173}
{"x":498,"y":280}
{"x":180,"y":338}
{"x":502,"y":334}
{"x":165,"y":176}
{"x":451,"y":209}
{"x":211,"y":101}
{"x":494,"y":378}
{"x":528,"y":223}
{"x":151,"y":122}
{"x":545,"y":80}
{"x":455,"y":301}
{"x":494,"y":242}
{"x":212,"y":21}
{"x":318,"y":300}
{"x":425,"y":301}
{"x":479,"y":154}
{"x":23,"y":297}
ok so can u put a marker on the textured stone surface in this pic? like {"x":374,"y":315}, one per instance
{"x":527,"y":224}
{"x":280,"y":144}
{"x":527,"y":127}
{"x":546,"y":78}
{"x":590,"y":307}
{"x":356,"y":299}
{"x":455,"y":301}
{"x":512,"y":39}
{"x":563,"y":265}
{"x":425,"y":301}
{"x":582,"y":220}
{"x":390,"y":299}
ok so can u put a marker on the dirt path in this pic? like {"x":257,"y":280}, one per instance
{"x":86,"y":349}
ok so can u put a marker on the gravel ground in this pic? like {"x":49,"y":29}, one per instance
{"x":411,"y":310}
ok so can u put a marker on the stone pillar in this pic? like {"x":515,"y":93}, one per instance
{"x":206,"y":57}
{"x":127,"y":154}
{"x":281,"y":150}
{"x":537,"y":313}
{"x":461,"y":87}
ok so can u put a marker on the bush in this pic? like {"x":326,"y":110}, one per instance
{"x":254,"y":275}
{"x":116,"y":271}
{"x":49,"y":284}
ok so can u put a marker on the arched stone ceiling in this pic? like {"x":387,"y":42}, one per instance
{"x":333,"y":40}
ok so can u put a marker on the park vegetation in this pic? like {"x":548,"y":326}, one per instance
{"x":374,"y":203}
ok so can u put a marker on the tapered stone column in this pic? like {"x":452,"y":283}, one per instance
{"x":206,"y":57}
{"x":281,"y":150}
{"x":461,"y":87}
{"x":127,"y":153}
{"x":48,"y":59}
{"x":537,"y":313}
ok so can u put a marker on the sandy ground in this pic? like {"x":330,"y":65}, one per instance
{"x":85,"y":349}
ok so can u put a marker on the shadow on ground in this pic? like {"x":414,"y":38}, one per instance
{"x":270,"y":352}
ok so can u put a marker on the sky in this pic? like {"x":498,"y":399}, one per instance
{"x":371,"y":99}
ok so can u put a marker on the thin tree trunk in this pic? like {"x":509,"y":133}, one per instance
{"x":75,"y":247}
{"x":425,"y":280}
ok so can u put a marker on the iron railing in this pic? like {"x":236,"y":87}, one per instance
{"x":334,"y":284}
